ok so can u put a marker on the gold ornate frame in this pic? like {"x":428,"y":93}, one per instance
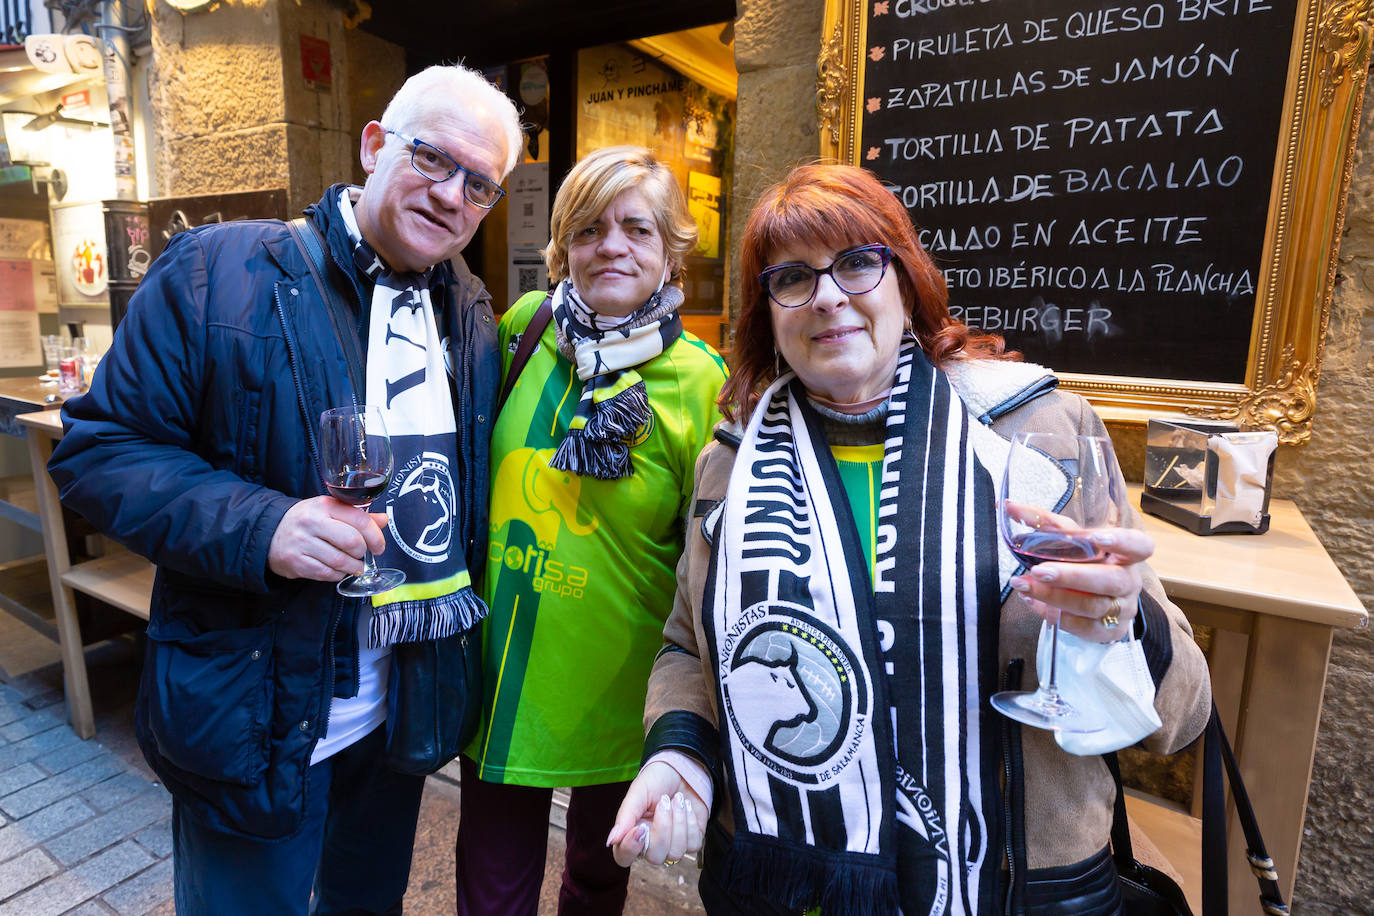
{"x":1327,"y":71}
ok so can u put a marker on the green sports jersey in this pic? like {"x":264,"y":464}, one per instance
{"x":861,"y":468}
{"x":580,"y":572}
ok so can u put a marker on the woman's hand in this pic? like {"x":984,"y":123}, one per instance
{"x":1089,"y":593}
{"x":661,"y":818}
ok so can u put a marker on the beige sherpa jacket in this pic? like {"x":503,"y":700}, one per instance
{"x":1068,"y":799}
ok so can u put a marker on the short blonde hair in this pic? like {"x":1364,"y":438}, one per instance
{"x":597,"y":180}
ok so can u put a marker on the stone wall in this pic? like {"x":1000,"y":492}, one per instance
{"x":231,"y":108}
{"x":1331,"y":479}
{"x":775,"y":120}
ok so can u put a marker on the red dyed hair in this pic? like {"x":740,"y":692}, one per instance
{"x":837,"y":207}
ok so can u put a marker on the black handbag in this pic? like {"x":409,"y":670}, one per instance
{"x":1146,"y":891}
{"x":434,"y":695}
{"x":433,"y":700}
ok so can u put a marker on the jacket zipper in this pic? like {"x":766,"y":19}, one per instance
{"x":469,"y":327}
{"x":1009,"y":775}
{"x":294,"y":358}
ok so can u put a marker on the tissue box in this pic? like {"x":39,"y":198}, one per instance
{"x":1209,"y":477}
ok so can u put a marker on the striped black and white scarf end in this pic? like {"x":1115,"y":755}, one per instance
{"x":599,"y":448}
{"x":429,"y":618}
{"x":800,"y":878}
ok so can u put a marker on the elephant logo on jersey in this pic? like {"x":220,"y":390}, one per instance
{"x":551,"y":495}
{"x":793,"y":695}
{"x":423,"y":495}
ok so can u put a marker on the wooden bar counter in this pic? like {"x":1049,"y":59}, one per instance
{"x":1272,"y":600}
{"x":119,"y":578}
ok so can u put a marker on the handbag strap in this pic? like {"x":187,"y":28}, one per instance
{"x":1218,"y":767}
{"x":529,"y":339}
{"x":307,"y":237}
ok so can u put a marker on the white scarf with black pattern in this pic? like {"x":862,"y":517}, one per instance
{"x":852,"y":707}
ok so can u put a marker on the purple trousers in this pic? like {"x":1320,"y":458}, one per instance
{"x":503,"y":835}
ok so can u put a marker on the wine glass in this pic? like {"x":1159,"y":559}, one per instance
{"x":356,"y":463}
{"x":1038,"y":530}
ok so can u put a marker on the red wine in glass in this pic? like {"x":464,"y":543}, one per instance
{"x":1040,"y":526}
{"x":355,"y":466}
{"x":1032,"y":547}
{"x":357,"y":488}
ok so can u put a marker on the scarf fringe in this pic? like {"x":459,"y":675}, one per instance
{"x":426,"y":618}
{"x":578,"y":454}
{"x":620,"y":416}
{"x":794,"y":879}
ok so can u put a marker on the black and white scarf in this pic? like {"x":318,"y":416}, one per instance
{"x":614,"y":402}
{"x":861,"y":774}
{"x":406,"y":377}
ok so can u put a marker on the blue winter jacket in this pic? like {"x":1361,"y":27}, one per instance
{"x":197,"y":435}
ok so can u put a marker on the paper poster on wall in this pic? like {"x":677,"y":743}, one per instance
{"x":78,"y":232}
{"x":703,"y":202}
{"x":527,"y":227}
{"x":23,"y":238}
{"x":528,"y":204}
{"x":19,"y":344}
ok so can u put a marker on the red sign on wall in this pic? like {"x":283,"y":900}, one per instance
{"x":315,"y":62}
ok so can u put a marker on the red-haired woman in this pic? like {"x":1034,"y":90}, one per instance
{"x":845,"y":607}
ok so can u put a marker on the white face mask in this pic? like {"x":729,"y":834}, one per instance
{"x":1111,"y":679}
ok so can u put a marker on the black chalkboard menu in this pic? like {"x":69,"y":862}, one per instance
{"x":1093,"y":178}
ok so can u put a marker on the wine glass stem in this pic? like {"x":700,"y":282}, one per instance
{"x":1053,"y":686}
{"x":369,"y":564}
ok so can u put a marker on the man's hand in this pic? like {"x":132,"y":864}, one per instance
{"x":322,"y":538}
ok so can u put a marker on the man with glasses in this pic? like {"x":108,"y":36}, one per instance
{"x":264,"y":692}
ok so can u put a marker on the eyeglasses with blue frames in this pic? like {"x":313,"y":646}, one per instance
{"x":437,"y":166}
{"x":856,"y":271}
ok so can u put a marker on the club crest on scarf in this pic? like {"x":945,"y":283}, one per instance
{"x":423,"y":490}
{"x":819,"y":702}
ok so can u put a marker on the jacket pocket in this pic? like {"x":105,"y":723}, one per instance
{"x":248,"y":403}
{"x":210,"y":699}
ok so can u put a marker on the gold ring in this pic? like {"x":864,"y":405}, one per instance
{"x":1109,"y":619}
{"x":669,"y":863}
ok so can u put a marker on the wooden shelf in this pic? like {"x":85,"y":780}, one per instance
{"x":122,"y":579}
{"x":1178,"y":837}
{"x":19,"y":501}
{"x":26,"y":594}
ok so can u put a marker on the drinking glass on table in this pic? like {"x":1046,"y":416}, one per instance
{"x":52,"y":344}
{"x":1038,"y":530}
{"x":356,"y":463}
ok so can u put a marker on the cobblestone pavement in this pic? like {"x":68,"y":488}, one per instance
{"x":85,"y":828}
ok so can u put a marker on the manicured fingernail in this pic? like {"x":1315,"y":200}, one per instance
{"x":665,"y":802}
{"x":641,"y":833}
{"x":680,"y":801}
{"x":1019,"y":583}
{"x":1102,"y":538}
{"x":1045,"y":573}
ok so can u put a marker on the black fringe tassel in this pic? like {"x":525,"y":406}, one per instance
{"x":619,"y":417}
{"x":426,"y":618}
{"x":797,"y":878}
{"x":598,"y":449}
